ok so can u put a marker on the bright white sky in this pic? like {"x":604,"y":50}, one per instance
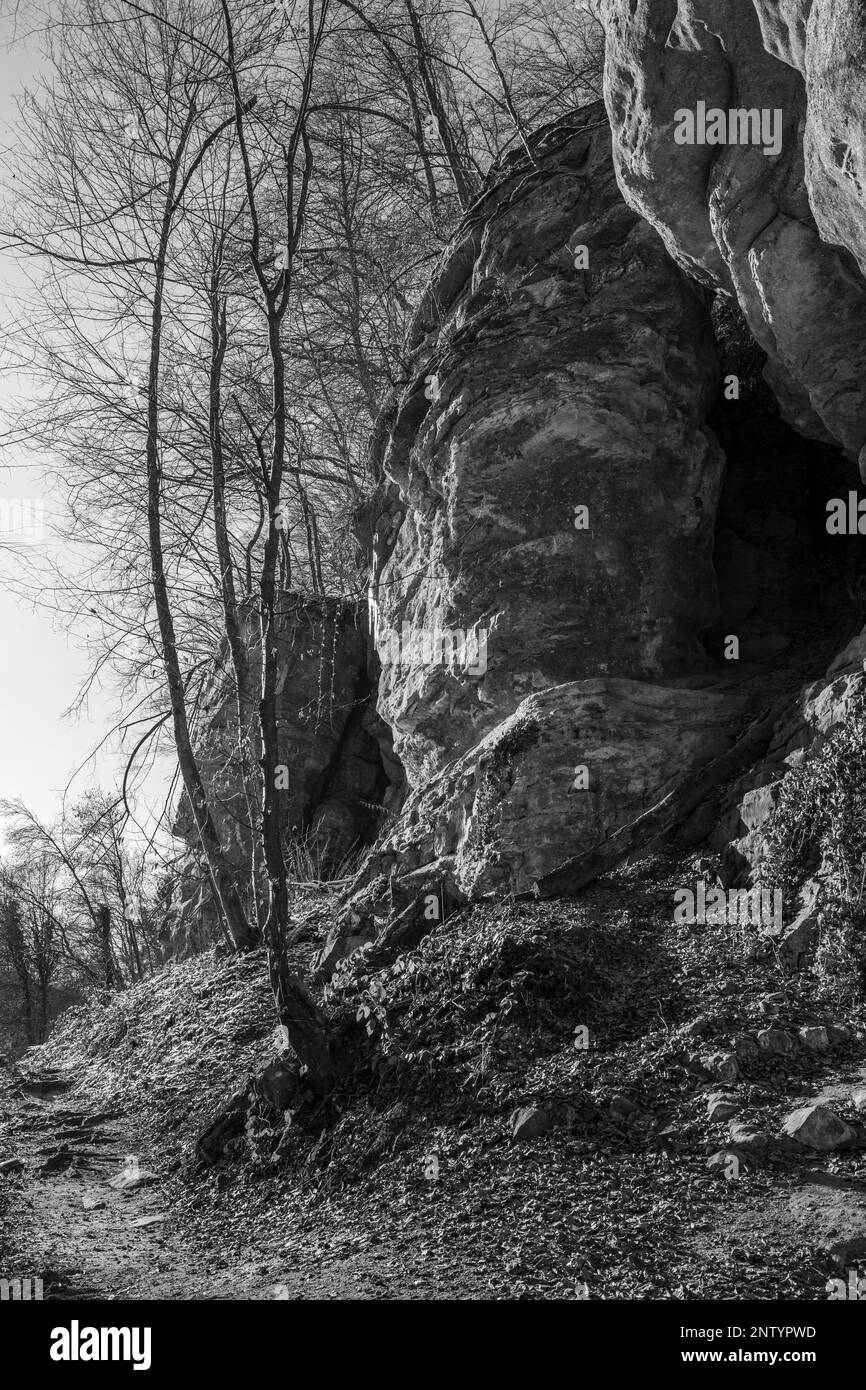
{"x":40,"y":667}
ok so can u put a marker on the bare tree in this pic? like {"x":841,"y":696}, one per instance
{"x":304,"y":1023}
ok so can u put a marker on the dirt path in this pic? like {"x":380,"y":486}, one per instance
{"x":90,"y":1214}
{"x":86,"y":1212}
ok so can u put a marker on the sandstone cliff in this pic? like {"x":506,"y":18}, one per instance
{"x":560,"y":360}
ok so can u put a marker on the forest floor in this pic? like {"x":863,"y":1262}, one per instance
{"x":595,"y":1010}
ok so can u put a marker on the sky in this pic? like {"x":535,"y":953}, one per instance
{"x":44,"y":753}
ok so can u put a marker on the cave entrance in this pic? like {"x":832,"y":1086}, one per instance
{"x":793,"y":594}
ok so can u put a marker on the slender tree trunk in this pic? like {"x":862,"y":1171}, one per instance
{"x":238,"y":638}
{"x":225,"y":889}
{"x":303,"y":1023}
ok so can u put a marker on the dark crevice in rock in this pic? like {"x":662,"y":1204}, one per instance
{"x":357,"y":787}
{"x":784,"y":583}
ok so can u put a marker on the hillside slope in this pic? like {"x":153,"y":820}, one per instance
{"x":596,"y":1012}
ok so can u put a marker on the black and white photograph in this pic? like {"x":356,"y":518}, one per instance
{"x":433,"y":677}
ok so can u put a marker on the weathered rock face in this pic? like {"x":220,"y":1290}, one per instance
{"x":826,"y":41}
{"x":510,"y":809}
{"x":538,"y":389}
{"x":755,"y":224}
{"x":554,"y":388}
{"x":603,"y":697}
{"x":332,"y":744}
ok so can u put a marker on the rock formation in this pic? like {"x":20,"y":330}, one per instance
{"x":341,"y":777}
{"x":782,"y":230}
{"x":560,"y":361}
{"x":825,"y":40}
{"x":785,"y":232}
{"x":511,"y":810}
{"x":554,"y":487}
{"x":540,"y":388}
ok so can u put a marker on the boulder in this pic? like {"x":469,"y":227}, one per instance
{"x":721,"y":1106}
{"x":528,"y":1123}
{"x":813,"y":714}
{"x":814,"y":1038}
{"x":509,"y":811}
{"x":8,"y":1166}
{"x":512,"y":809}
{"x":746,"y":1139}
{"x":698,"y":1026}
{"x":621,"y":1107}
{"x":721,"y":1066}
{"x":775,"y":1041}
{"x":746,"y":1047}
{"x":817,"y":1127}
